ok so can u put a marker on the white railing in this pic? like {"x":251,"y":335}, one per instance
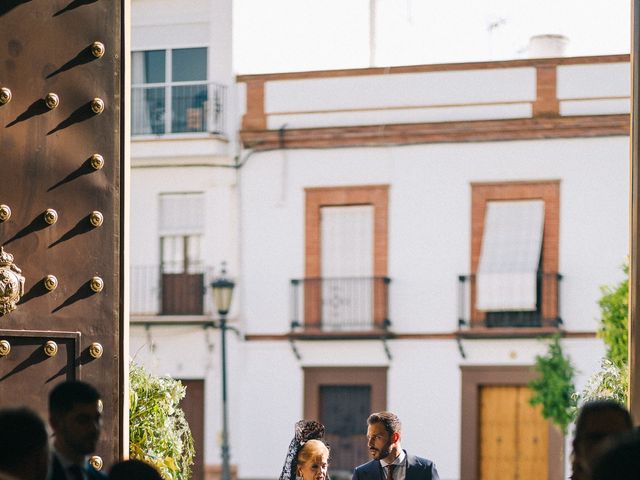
{"x":179,"y":107}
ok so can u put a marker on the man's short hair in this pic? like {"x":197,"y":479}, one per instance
{"x":23,"y":434}
{"x":66,"y":395}
{"x":389,"y":420}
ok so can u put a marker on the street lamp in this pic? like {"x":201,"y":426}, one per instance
{"x":222,"y":289}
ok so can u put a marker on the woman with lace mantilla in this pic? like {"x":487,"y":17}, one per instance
{"x":308,"y":455}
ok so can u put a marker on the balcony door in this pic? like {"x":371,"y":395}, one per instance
{"x":180,"y":248}
{"x":347,"y":267}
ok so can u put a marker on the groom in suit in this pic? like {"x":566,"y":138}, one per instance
{"x":390,"y":461}
{"x":75,"y":415}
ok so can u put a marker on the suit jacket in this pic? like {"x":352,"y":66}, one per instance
{"x":417,"y":469}
{"x":58,"y":473}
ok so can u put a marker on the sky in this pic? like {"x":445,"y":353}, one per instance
{"x":300,"y":35}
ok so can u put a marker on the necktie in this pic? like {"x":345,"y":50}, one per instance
{"x":75,"y":472}
{"x":390,"y":468}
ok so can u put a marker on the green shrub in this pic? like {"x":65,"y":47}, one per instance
{"x":614,"y":319}
{"x":553,"y":388}
{"x":612,"y":380}
{"x":158,"y":430}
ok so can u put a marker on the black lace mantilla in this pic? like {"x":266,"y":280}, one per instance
{"x":305,"y":430}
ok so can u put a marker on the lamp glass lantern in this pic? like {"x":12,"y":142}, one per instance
{"x":222,"y":293}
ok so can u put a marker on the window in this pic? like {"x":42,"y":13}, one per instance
{"x":345,"y":286}
{"x":181,"y":229}
{"x":170,"y":92}
{"x":514,"y":254}
{"x":510,"y":255}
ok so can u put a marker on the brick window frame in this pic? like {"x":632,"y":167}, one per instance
{"x":318,"y":197}
{"x":545,"y":190}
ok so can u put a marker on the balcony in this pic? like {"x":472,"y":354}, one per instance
{"x":155,"y":291}
{"x":337,"y":306}
{"x":546,"y":315}
{"x":179,"y":107}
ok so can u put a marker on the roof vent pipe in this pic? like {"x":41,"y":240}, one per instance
{"x":548,"y":45}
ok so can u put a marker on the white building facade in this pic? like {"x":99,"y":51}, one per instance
{"x":183,"y":198}
{"x":409,"y":235}
{"x":400,"y":238}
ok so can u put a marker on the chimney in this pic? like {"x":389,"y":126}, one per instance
{"x":548,"y":45}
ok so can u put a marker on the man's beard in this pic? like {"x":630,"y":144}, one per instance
{"x":383,"y":452}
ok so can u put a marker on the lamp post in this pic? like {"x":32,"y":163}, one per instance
{"x":222,"y":289}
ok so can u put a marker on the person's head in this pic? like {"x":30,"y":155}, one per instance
{"x":312,"y":461}
{"x":24,"y":444}
{"x":75,"y":414}
{"x":621,"y":461}
{"x":383,"y":436}
{"x":133,"y":469}
{"x":598,"y":421}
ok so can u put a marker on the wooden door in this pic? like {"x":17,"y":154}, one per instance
{"x":193,"y":407}
{"x":61,"y":177}
{"x":343,"y":410}
{"x":514,"y":437}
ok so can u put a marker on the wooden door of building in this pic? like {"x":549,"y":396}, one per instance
{"x":193,"y":407}
{"x":514,"y":438}
{"x":342,"y":410}
{"x":61,"y":214}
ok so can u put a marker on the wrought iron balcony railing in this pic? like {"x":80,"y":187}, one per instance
{"x":170,"y":291}
{"x":546,"y":313}
{"x":355,"y":304}
{"x":180,"y":107}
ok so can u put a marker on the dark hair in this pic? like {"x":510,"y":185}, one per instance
{"x":389,"y":420}
{"x":622,"y":461}
{"x":23,"y":434}
{"x":599,"y":406}
{"x":594,"y":407}
{"x":66,"y":395}
{"x":133,"y":470}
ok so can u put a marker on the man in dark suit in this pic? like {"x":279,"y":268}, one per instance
{"x":390,"y":461}
{"x":75,"y":415}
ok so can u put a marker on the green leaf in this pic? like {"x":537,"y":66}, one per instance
{"x":158,"y":430}
{"x":553,"y":388}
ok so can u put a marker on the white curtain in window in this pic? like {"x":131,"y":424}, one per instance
{"x":140,"y":107}
{"x":181,"y":214}
{"x":510,"y":255}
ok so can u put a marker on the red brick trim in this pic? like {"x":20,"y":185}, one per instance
{"x":255,"y":118}
{"x":546,"y":104}
{"x":316,"y":198}
{"x":449,"y":132}
{"x":443,"y":67}
{"x":258,"y":337}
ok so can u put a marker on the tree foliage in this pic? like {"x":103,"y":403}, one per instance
{"x":553,"y":388}
{"x":612,"y":380}
{"x":613,"y":328}
{"x":158,"y":430}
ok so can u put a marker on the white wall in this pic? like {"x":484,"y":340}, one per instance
{"x":429,"y":220}
{"x":429,"y":246}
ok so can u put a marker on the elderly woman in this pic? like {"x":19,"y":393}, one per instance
{"x":308,"y":455}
